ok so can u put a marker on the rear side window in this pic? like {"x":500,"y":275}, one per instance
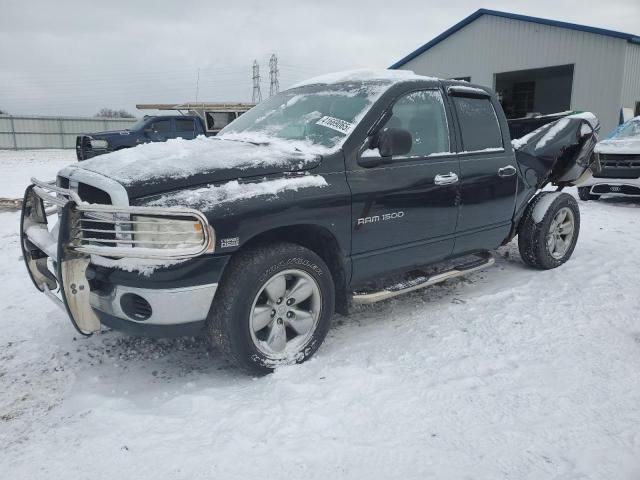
{"x":218,"y":120}
{"x":479,"y":124}
{"x":184,"y":125}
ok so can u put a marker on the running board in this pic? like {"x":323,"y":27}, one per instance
{"x":484,"y":260}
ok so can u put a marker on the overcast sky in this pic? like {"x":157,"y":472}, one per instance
{"x":74,"y":57}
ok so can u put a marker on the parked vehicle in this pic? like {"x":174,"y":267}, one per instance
{"x":618,"y":160}
{"x":348,"y":188}
{"x":145,"y":130}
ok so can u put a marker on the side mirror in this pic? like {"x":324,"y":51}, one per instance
{"x":393,"y":141}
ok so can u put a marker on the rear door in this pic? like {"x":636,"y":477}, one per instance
{"x":404,"y":212}
{"x":185,"y":128}
{"x":488,"y":180}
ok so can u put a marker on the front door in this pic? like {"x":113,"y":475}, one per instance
{"x":161,"y":130}
{"x":404,"y":212}
{"x":488,"y":180}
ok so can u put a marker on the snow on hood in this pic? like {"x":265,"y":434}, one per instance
{"x":178,"y":158}
{"x":621,"y":145}
{"x":206,"y":198}
{"x":362,"y":75}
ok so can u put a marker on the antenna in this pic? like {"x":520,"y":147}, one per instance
{"x":274,"y":85}
{"x":197,"y":84}
{"x":257,"y":95}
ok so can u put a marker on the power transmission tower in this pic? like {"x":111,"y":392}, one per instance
{"x":274,"y":85}
{"x":257,"y":95}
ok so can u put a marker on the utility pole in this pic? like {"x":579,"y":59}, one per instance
{"x":274,"y":85}
{"x":257,"y":95}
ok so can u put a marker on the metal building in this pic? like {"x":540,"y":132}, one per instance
{"x":538,"y":66}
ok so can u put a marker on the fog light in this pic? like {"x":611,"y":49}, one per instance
{"x":135,"y":307}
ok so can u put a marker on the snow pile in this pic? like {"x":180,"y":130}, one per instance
{"x":209,"y":197}
{"x":363,"y":75}
{"x":178,"y":158}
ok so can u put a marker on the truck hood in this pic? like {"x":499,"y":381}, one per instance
{"x":162,"y":167}
{"x":619,"y":146}
{"x":108,"y":133}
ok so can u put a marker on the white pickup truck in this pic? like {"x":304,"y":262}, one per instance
{"x":618,"y":158}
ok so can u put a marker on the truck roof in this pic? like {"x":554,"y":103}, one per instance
{"x":383,"y":76}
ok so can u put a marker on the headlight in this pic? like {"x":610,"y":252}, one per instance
{"x":165,"y":233}
{"x":98,"y":143}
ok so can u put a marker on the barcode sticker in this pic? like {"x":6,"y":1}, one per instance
{"x":336,"y":124}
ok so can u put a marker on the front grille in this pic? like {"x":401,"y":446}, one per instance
{"x":101,"y":230}
{"x":619,"y":166}
{"x":91,"y":194}
{"x":603,"y":189}
{"x":126,"y":232}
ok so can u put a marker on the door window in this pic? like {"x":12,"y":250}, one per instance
{"x":422,"y":113}
{"x":162,"y":126}
{"x":184,"y":124}
{"x":479,"y":124}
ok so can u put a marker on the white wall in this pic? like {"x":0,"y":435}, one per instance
{"x":28,"y":132}
{"x":631,"y":81}
{"x":492,"y":45}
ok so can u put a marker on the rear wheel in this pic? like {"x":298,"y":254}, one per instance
{"x":583,"y":193}
{"x":548,"y":233}
{"x":274,"y":307}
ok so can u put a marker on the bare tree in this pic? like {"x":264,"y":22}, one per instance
{"x":111,"y":113}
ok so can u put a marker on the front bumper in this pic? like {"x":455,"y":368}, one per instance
{"x":174,"y":299}
{"x":616,"y":186}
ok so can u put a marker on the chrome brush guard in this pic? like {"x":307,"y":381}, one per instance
{"x":57,"y":258}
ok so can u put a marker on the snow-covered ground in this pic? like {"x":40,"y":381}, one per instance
{"x":510,"y":373}
{"x":18,"y":166}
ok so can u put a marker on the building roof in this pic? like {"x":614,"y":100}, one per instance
{"x":525,"y":18}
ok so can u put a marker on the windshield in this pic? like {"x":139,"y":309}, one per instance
{"x":319,"y":114}
{"x":138,"y":125}
{"x":628,"y":130}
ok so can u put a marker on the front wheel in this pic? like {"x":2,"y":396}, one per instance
{"x":549,"y":230}
{"x":274,"y":307}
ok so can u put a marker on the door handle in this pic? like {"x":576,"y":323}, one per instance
{"x":508,"y":171}
{"x":447,"y":179}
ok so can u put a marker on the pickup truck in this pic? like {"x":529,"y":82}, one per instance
{"x":618,"y":164}
{"x":348,"y":188}
{"x":145,"y":130}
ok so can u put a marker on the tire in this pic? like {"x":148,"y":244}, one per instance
{"x":547,"y":243}
{"x":583,"y":193}
{"x":238,"y":324}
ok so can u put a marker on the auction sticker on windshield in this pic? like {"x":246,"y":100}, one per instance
{"x":336,"y":124}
